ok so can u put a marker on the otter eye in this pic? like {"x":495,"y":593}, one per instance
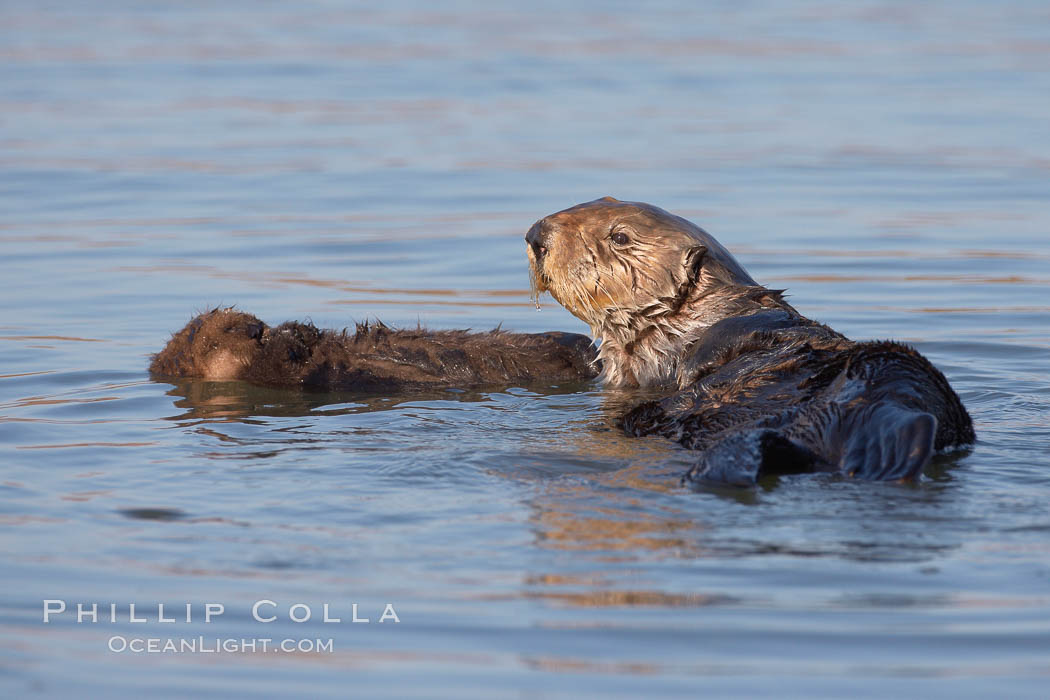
{"x":619,"y":238}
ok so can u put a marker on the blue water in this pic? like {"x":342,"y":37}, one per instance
{"x":887,"y":163}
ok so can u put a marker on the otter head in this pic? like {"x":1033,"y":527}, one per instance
{"x":638,"y":276}
{"x":220,"y":345}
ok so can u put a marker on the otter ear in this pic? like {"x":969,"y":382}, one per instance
{"x":694,"y":260}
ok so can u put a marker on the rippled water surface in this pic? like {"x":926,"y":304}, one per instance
{"x":887,"y":163}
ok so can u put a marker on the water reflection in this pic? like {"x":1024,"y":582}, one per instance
{"x":161,"y":514}
{"x":240,"y":401}
{"x":618,"y":526}
{"x":637,"y":511}
{"x":589,"y":489}
{"x":630,"y":598}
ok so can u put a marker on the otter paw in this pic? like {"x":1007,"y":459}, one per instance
{"x":741,"y":458}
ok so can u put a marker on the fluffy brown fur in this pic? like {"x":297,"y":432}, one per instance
{"x":226,"y":344}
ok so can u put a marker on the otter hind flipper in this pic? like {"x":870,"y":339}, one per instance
{"x":741,"y":458}
{"x":885,"y":441}
{"x":880,"y":441}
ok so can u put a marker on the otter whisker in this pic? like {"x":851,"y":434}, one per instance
{"x":604,"y":290}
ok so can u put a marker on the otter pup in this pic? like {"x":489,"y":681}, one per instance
{"x":226,"y":344}
{"x":756,"y":388}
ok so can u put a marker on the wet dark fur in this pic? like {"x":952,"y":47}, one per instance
{"x":775,"y":393}
{"x":226,"y":344}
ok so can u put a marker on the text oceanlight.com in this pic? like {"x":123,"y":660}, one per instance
{"x":204,"y":645}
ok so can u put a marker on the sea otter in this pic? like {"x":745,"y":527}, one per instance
{"x":753,"y":386}
{"x":227,"y":344}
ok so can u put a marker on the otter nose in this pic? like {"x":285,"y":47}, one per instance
{"x":538,"y":239}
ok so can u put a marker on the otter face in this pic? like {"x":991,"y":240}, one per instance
{"x":609,"y":261}
{"x":220,"y":345}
